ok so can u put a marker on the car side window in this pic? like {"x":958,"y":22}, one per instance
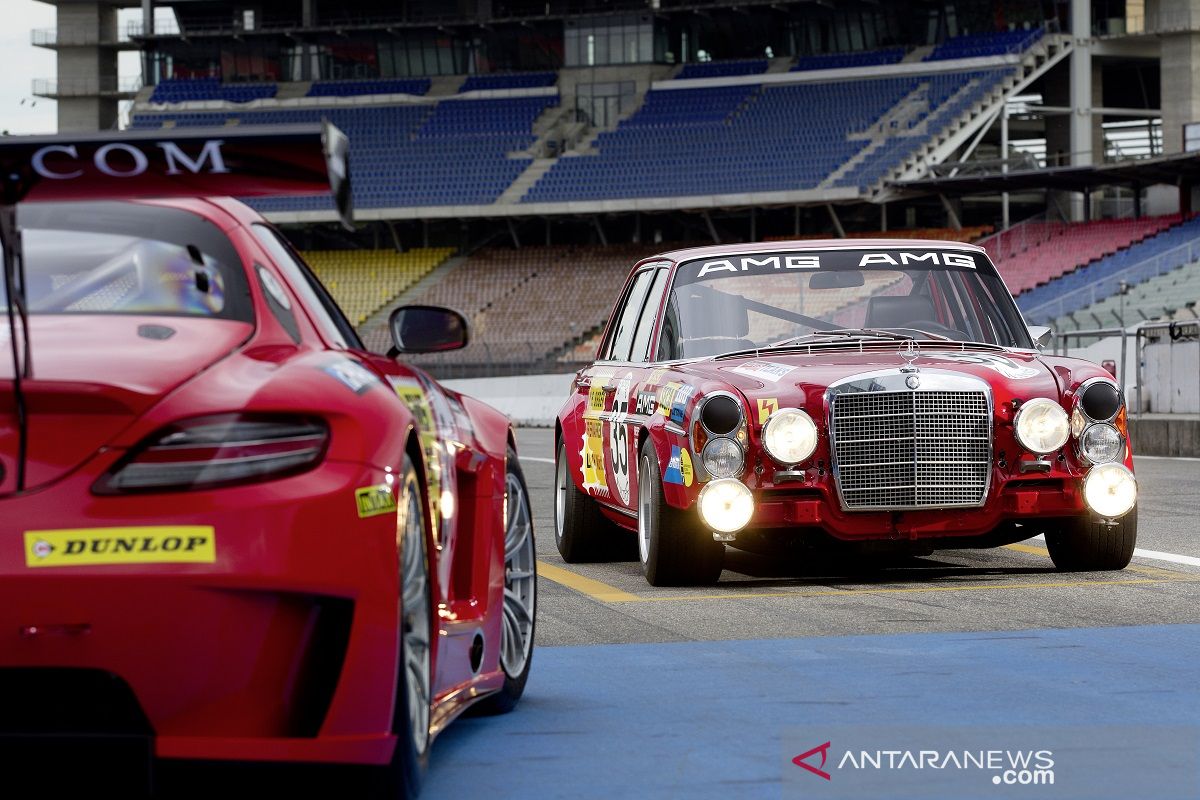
{"x":668,"y":340}
{"x":324,"y":311}
{"x":645,"y":326}
{"x":622,"y":338}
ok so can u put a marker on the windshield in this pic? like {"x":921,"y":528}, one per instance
{"x":126,"y":258}
{"x":720,"y":305}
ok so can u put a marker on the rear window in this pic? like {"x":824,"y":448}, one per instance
{"x":128,"y":258}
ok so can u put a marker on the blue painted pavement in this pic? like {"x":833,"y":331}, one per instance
{"x":711,"y":719}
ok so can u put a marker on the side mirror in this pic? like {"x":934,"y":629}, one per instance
{"x":427,"y":329}
{"x":1040,"y":335}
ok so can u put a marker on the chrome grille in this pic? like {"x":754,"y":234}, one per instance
{"x":912,"y":449}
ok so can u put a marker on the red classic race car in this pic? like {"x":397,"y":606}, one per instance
{"x":231,"y":534}
{"x":822,"y":392}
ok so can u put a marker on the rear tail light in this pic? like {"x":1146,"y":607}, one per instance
{"x":209,"y":452}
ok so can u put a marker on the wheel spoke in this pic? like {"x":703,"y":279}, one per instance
{"x":519,"y":575}
{"x":514,"y":601}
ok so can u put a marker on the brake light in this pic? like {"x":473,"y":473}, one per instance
{"x":208,"y":452}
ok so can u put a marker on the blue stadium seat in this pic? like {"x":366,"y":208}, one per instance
{"x":352,"y":88}
{"x":182,"y":90}
{"x":509,"y":80}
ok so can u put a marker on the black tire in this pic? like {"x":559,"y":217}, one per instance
{"x":506,"y":699}
{"x":1085,"y":544}
{"x":679,"y":551}
{"x":581,"y":531}
{"x":402,"y":778}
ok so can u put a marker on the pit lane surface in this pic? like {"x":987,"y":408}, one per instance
{"x":654,"y":692}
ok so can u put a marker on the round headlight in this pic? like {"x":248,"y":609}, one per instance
{"x":1110,"y":490}
{"x":1101,"y":400}
{"x":1042,"y":425}
{"x":1101,"y":443}
{"x":721,"y":414}
{"x":790,"y":436}
{"x":725,"y":505}
{"x":722,"y":458}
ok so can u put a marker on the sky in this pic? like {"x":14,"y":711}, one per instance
{"x":20,"y":111}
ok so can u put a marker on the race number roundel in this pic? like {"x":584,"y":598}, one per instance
{"x":618,"y":437}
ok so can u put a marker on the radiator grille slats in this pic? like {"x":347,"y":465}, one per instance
{"x":912,"y":449}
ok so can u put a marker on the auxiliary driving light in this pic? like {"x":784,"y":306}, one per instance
{"x":1042,"y":426}
{"x":1101,"y":443}
{"x":722,"y":457}
{"x":790,"y":436}
{"x":725,"y":505}
{"x":1110,"y":490}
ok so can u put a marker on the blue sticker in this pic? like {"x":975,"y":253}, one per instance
{"x":674,"y":474}
{"x":679,"y":404}
{"x":354,"y":375}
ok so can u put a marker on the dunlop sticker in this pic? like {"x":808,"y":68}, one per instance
{"x":162,"y":544}
{"x":374,"y":500}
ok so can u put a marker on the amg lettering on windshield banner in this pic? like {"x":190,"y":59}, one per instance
{"x":762,"y":263}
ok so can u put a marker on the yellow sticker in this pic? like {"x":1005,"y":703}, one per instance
{"x":666,"y":396}
{"x":159,"y":544}
{"x":374,"y":500}
{"x":685,"y":466}
{"x":766,"y":407}
{"x":594,"y":478}
{"x":596,"y":396}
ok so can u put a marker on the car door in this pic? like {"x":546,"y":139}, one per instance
{"x":610,"y":385}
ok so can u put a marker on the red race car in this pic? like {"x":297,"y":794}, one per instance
{"x":818,"y":394}
{"x":231,"y":533}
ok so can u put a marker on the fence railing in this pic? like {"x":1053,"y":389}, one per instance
{"x":85,"y":87}
{"x":495,"y":360}
{"x":1020,"y":237}
{"x":80,"y":36}
{"x":1106,"y":287}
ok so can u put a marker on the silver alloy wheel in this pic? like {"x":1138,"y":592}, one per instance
{"x":520,"y":580}
{"x":415,"y":640}
{"x":561,"y":485}
{"x":646,"y":473}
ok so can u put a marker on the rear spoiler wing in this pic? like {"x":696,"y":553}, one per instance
{"x":129,"y":165}
{"x":239,"y":161}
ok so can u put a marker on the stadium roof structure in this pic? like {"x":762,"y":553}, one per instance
{"x":1182,"y":169}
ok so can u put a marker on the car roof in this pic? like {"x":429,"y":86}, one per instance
{"x":793,"y":245}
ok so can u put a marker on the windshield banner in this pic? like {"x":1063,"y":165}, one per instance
{"x":188,"y":162}
{"x":777,"y":263}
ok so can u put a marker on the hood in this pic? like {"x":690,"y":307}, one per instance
{"x":800,"y":379}
{"x":95,"y":374}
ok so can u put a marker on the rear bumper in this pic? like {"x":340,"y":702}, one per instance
{"x":284,"y":648}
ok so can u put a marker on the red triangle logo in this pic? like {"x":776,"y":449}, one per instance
{"x":823,"y":749}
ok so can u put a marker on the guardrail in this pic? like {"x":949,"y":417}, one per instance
{"x":1106,"y":287}
{"x":75,"y":37}
{"x":85,"y":87}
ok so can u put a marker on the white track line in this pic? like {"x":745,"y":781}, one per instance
{"x":538,"y":459}
{"x":1136,"y":457}
{"x":1156,"y":555}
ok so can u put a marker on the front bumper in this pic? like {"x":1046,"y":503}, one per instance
{"x":817,"y":506}
{"x":283,"y":648}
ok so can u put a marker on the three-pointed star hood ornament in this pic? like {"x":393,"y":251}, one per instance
{"x":909,"y":352}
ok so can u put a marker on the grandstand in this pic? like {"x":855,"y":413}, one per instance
{"x":516,"y":167}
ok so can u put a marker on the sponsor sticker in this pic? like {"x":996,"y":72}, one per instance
{"x":655,"y":376}
{"x":374,"y":500}
{"x":666,"y":397}
{"x":594,"y":479}
{"x":1005,"y":366}
{"x":765,"y":371}
{"x":679,"y":468}
{"x":647,"y":404}
{"x":766,"y":407}
{"x":355,"y":376}
{"x":680,"y":401}
{"x":596,"y":396}
{"x":154,"y":544}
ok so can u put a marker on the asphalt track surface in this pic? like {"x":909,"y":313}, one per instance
{"x":638,"y":691}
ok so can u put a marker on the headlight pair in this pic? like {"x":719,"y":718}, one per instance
{"x":718,"y":425}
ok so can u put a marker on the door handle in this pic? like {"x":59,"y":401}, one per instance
{"x":608,"y":389}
